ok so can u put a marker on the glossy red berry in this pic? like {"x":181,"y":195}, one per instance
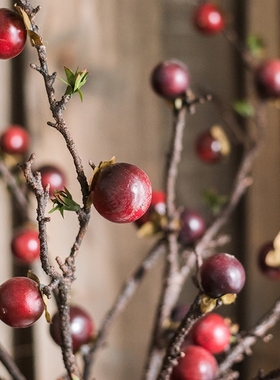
{"x":192,"y":226}
{"x":14,"y":140}
{"x":12,"y":34}
{"x":53,"y":176}
{"x":157,"y":207}
{"x":25,"y":245}
{"x":212,"y":145}
{"x":21,"y":303}
{"x":121,"y":192}
{"x":222,"y":274}
{"x":81,"y":326}
{"x":270,"y":271}
{"x":209,"y":19}
{"x":170,"y":79}
{"x":196,"y":364}
{"x":211,"y":332}
{"x":267,"y":79}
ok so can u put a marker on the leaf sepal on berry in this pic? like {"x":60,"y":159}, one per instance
{"x":208,"y":304}
{"x":63,"y":201}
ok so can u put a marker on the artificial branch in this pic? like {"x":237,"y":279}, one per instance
{"x":248,"y":339}
{"x":10,"y":365}
{"x":128,"y":289}
{"x":18,"y":194}
{"x":173,"y":352}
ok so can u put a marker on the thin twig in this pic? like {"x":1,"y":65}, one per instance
{"x":124,"y":296}
{"x":10,"y":364}
{"x":250,"y":338}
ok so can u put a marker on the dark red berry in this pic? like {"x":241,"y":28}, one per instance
{"x":81,"y":326}
{"x":14,"y":140}
{"x":211,"y":332}
{"x":192,"y":226}
{"x":21,"y":303}
{"x":179,"y":312}
{"x":121,"y":192}
{"x":267,"y":79}
{"x":53,"y":176}
{"x":270,"y":271}
{"x":170,"y":79}
{"x":12,"y":34}
{"x":196,"y":364}
{"x":209,"y":19}
{"x":212,"y":146}
{"x":25,"y":245}
{"x":222,"y":274}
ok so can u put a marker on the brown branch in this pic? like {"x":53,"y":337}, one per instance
{"x":250,"y":338}
{"x":129,"y":288}
{"x":10,"y":365}
{"x":18,"y":195}
{"x":173,"y":351}
{"x":166,"y":301}
{"x":272,"y":375}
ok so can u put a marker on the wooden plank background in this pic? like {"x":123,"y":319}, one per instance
{"x":119,"y":43}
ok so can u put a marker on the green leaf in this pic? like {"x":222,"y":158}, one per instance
{"x":63,"y":201}
{"x":244,"y":108}
{"x":214,"y":201}
{"x":75,"y":81}
{"x":255,"y":45}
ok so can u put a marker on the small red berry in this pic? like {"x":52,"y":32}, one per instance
{"x":211,"y":332}
{"x":81,"y":326}
{"x":25,"y":245}
{"x":14,"y":140}
{"x":212,"y":146}
{"x":21,"y":303}
{"x":209,"y":19}
{"x":121,"y":192}
{"x":192,"y":226}
{"x":156,"y":209}
{"x":267,"y":79}
{"x":53,"y":176}
{"x":12,"y":34}
{"x":222,"y":274}
{"x":196,"y":364}
{"x":170,"y":79}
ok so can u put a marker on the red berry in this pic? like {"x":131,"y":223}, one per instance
{"x":53,"y":176}
{"x":157,"y":206}
{"x":170,"y":79}
{"x":12,"y":34}
{"x":14,"y":140}
{"x":21,"y":303}
{"x":25,"y":245}
{"x":212,"y":146}
{"x":209,"y":19}
{"x":222,"y":274}
{"x":272,"y":272}
{"x":211,"y":332}
{"x":196,"y":364}
{"x":81,"y":326}
{"x":267,"y":79}
{"x":192,"y":227}
{"x":121,"y":192}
